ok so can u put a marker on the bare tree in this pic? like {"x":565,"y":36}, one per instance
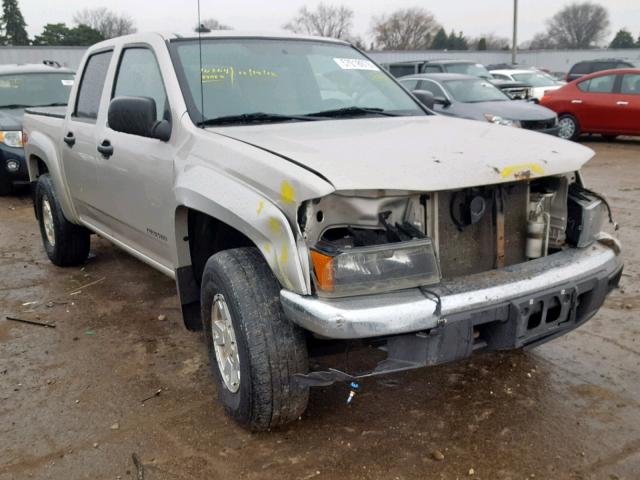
{"x":405,"y":29}
{"x":325,"y":21}
{"x":541,"y":41}
{"x":107,"y":22}
{"x":210,"y":24}
{"x":579,"y":25}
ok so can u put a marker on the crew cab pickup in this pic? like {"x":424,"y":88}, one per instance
{"x":306,"y":203}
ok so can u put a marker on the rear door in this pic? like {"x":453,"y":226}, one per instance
{"x":595,"y":107}
{"x":136,"y":180}
{"x":627,"y":104}
{"x":79,"y":154}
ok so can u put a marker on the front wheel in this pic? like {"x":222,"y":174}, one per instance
{"x":569,"y":127}
{"x":255,"y":351}
{"x":66,"y":244}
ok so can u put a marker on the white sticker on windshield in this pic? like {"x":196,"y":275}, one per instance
{"x":67,"y":83}
{"x":355,"y":64}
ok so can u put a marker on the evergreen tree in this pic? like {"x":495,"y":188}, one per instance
{"x":440,"y":41}
{"x":14,"y":31}
{"x":60,"y":34}
{"x":623,"y":39}
{"x":482,"y":44}
{"x":457,"y":41}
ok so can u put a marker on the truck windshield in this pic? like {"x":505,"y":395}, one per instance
{"x":35,"y":89}
{"x":283,"y":80}
{"x":475,"y":91}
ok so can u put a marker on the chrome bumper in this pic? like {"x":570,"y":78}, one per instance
{"x":411,"y":310}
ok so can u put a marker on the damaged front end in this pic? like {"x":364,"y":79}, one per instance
{"x":431,"y":277}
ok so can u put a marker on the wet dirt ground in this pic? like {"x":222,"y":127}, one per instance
{"x":72,"y":399}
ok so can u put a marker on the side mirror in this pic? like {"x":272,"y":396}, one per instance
{"x":442,"y":101}
{"x":137,"y":116}
{"x":426,"y":98}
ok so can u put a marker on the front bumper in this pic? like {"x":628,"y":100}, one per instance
{"x":572,"y":277}
{"x":7,"y":154}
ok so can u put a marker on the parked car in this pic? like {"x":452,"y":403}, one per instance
{"x":23,"y":86}
{"x":473,"y":98}
{"x":540,"y":82}
{"x":515,"y":90}
{"x":605,"y":102}
{"x":587,"y":67}
{"x":296,"y":213}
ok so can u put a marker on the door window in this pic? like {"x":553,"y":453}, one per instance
{"x":139,"y":76}
{"x":603,"y":84}
{"x":630,"y":84}
{"x":432,"y":69}
{"x":409,"y":84}
{"x":432,"y":87}
{"x":91,"y":85}
{"x":581,"y":69}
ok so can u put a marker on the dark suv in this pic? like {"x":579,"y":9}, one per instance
{"x":581,"y":69}
{"x":24,"y":86}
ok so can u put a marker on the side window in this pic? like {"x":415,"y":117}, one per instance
{"x":602,"y":84}
{"x":433,"y":88}
{"x":584,"y":86}
{"x":630,"y":84}
{"x":409,"y":84}
{"x":432,"y":69}
{"x":500,"y":76}
{"x":581,"y":69}
{"x":139,"y":76}
{"x":91,"y":85}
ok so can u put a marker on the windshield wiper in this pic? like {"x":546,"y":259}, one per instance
{"x":15,"y":105}
{"x":54,"y":104}
{"x":257,"y":117}
{"x":353,"y":112}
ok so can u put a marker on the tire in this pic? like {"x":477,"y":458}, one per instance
{"x":6,"y":186}
{"x":268,"y":347}
{"x":66,"y":244}
{"x":569,"y":127}
{"x":610,"y":138}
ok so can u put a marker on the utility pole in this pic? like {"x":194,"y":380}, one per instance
{"x":514,"y":51}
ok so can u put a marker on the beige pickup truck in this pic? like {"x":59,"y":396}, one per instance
{"x":305,"y":203}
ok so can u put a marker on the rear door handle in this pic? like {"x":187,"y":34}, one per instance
{"x":105,"y":148}
{"x":576,"y":101}
{"x":622,"y":103}
{"x":70,"y":139}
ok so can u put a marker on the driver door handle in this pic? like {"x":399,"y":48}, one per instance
{"x":576,"y":101}
{"x":70,"y":139}
{"x":623,"y":103}
{"x":105,"y":148}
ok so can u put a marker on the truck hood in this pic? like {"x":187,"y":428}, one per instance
{"x":11,"y":118}
{"x":429,"y":153}
{"x":512,"y":109}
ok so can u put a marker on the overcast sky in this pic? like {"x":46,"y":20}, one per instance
{"x":474,"y":17}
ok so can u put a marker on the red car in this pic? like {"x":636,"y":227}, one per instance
{"x":606,"y":102}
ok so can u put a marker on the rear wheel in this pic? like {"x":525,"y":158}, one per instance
{"x":66,"y":244}
{"x":569,"y":127}
{"x":255,"y":351}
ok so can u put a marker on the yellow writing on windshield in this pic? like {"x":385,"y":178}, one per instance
{"x":222,"y":74}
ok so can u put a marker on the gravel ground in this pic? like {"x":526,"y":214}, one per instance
{"x":71,"y":398}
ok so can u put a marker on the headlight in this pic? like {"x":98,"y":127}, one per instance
{"x":11,"y":139}
{"x":501,"y":121}
{"x":366,"y":270}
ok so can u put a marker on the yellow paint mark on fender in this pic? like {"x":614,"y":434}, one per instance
{"x":274,"y":226}
{"x":260,"y":206}
{"x":267,"y":248}
{"x":287,"y":193}
{"x":522,"y":171}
